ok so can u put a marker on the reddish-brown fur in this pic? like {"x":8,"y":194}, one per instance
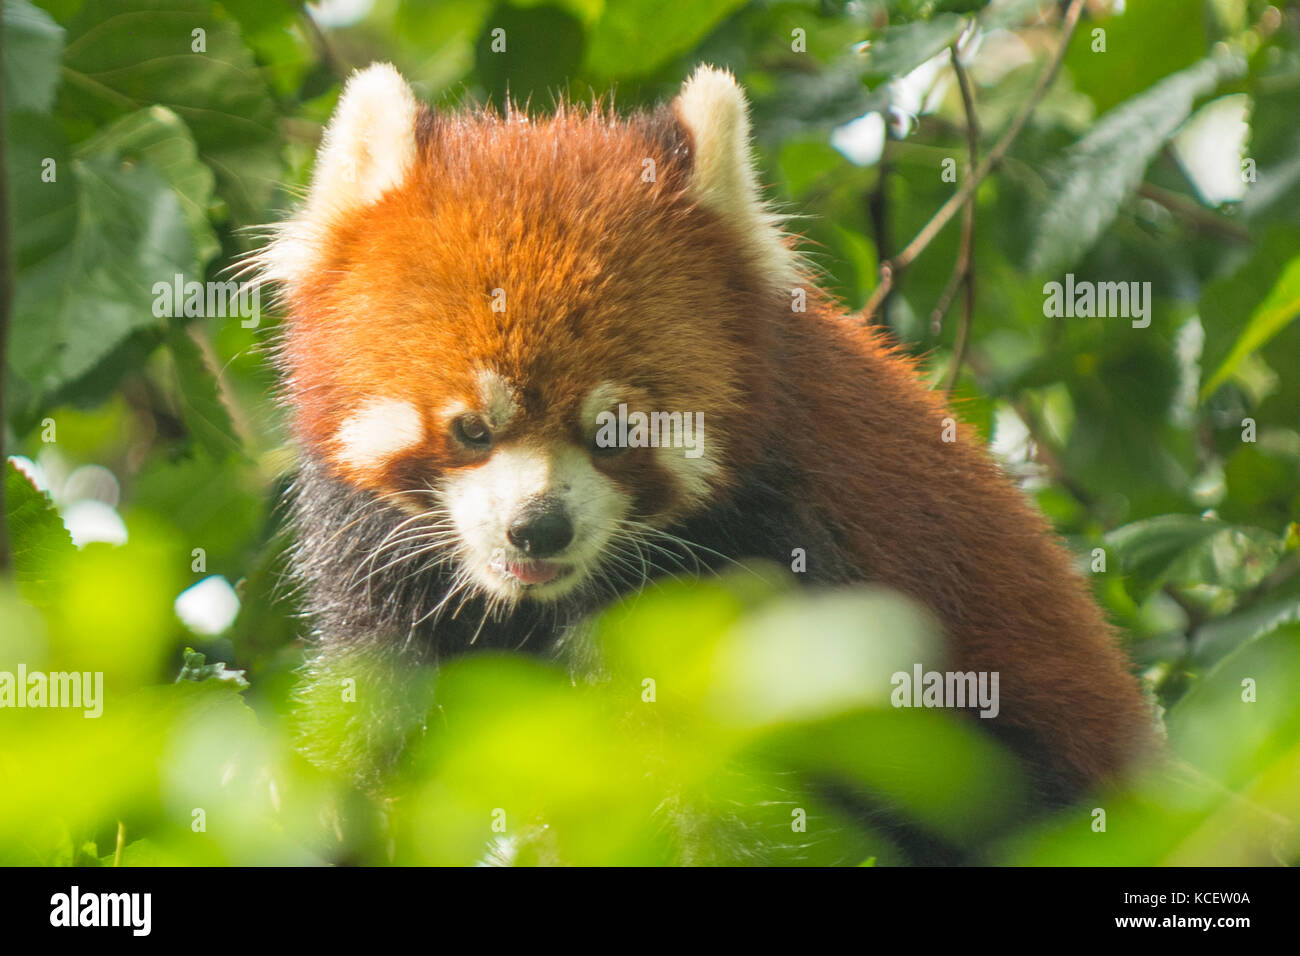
{"x":609,"y":278}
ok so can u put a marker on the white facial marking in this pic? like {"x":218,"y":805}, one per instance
{"x":497,"y":397}
{"x":377,"y":431}
{"x":602,"y":398}
{"x":693,"y":467}
{"x":484,"y":501}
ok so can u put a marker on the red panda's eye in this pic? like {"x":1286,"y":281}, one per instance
{"x":470,"y":430}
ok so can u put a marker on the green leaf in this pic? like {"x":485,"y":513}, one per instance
{"x":200,"y":395}
{"x":1148,"y":549}
{"x":258,"y":15}
{"x":1131,"y":63}
{"x":1122,"y":441}
{"x":1218,"y":638}
{"x":37,"y":539}
{"x":1226,"y":306}
{"x":44,"y":212}
{"x":196,"y":668}
{"x":1214,"y":727}
{"x":634,"y":37}
{"x":1239,"y":560}
{"x":1263,"y":484}
{"x":1275,"y":149}
{"x":1010,"y":14}
{"x":125,"y":55}
{"x":806,"y":161}
{"x":157,"y":136}
{"x":144,"y":852}
{"x":1105,"y":167}
{"x":76,"y":306}
{"x":901,"y":49}
{"x":529,"y":69}
{"x":1279,"y":308}
{"x":33,"y":46}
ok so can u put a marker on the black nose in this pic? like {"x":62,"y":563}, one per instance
{"x":541,"y":531}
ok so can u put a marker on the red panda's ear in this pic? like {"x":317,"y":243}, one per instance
{"x":368,"y":148}
{"x":713,"y":109}
{"x":369,"y":144}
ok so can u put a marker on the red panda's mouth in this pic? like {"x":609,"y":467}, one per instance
{"x":531,"y":572}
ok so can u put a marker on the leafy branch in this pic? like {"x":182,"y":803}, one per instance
{"x":890,"y":268}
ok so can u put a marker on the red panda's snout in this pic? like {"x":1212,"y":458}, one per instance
{"x":564,"y":499}
{"x":534,"y":520}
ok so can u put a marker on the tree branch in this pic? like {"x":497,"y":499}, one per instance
{"x":1194,"y":214}
{"x":891,"y":267}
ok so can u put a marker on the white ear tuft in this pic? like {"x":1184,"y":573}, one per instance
{"x":712,"y":106}
{"x":367,"y":149}
{"x":370,"y":142}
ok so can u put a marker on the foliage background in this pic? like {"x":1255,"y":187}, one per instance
{"x":167,"y":438}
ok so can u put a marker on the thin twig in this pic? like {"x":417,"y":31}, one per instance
{"x":1047,"y":455}
{"x":892,"y":267}
{"x":971,"y":132}
{"x":121,"y":843}
{"x":878,"y":211}
{"x":964,"y":273}
{"x":324,"y":49}
{"x":1197,"y":216}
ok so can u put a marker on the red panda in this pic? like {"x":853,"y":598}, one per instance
{"x":467,"y":295}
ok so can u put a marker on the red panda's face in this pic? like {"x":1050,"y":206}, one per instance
{"x":533,"y":337}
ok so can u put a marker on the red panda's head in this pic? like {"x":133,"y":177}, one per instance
{"x":488,"y":315}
